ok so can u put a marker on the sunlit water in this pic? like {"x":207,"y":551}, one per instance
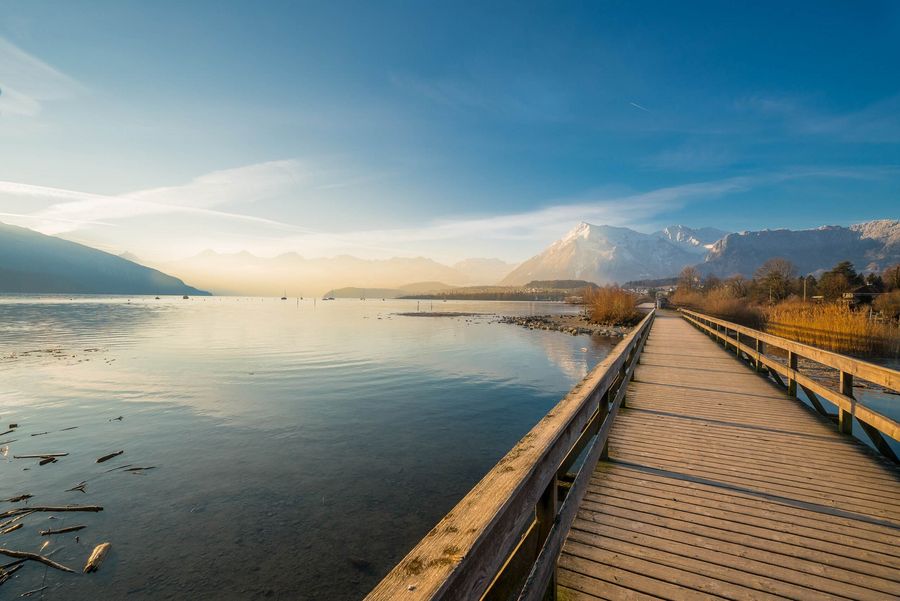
{"x":299,"y":450}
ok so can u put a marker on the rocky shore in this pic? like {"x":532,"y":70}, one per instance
{"x":570,"y":324}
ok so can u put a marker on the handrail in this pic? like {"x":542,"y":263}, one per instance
{"x":874,"y":424}
{"x":501,"y":541}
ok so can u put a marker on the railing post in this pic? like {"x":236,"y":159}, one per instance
{"x":545,"y":513}
{"x":792,"y":364}
{"x":845,"y":418}
{"x":760,"y":351}
{"x":737,"y":344}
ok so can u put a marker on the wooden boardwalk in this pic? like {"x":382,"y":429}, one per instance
{"x":719,"y":485}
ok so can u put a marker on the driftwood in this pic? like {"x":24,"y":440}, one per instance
{"x":34,"y":592}
{"x":110,"y":456}
{"x":22,"y":515}
{"x":40,"y":433}
{"x":60,"y":530}
{"x":11,"y":440}
{"x":47,"y":460}
{"x":18,"y":498}
{"x":7,"y":571}
{"x":69,"y":428}
{"x":7,"y":432}
{"x":80,"y":486}
{"x":40,"y":456}
{"x":140,"y":470}
{"x":35,"y":557}
{"x":50,"y":508}
{"x":121,"y":467}
{"x":96,"y":558}
{"x":12,"y":528}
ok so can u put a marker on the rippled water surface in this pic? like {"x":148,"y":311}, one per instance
{"x":299,"y":450}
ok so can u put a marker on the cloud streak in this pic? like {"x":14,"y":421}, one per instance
{"x":26,"y":82}
{"x":82,"y":213}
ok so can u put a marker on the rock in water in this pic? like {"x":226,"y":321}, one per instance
{"x":96,"y":558}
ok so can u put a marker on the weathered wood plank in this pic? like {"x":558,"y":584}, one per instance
{"x":717,"y":478}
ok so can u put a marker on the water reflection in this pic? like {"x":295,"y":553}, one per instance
{"x":300,"y":450}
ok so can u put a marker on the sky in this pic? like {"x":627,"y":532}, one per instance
{"x":449,"y":130}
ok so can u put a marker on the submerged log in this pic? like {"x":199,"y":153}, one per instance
{"x":96,"y":558}
{"x":61,"y":530}
{"x":50,"y":508}
{"x":110,"y":456}
{"x":40,"y":456}
{"x":35,"y":557}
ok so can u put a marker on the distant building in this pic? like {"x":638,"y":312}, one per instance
{"x":862,"y":295}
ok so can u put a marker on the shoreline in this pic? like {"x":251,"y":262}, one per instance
{"x":575,"y":325}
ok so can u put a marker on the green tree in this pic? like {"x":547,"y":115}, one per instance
{"x":839,"y":279}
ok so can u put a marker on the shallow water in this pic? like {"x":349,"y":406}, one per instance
{"x":299,"y":450}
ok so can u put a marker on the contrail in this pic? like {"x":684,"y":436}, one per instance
{"x":637,"y":106}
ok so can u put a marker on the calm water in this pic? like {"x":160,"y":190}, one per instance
{"x":300,"y":451}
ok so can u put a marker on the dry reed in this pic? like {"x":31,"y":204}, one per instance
{"x":833,"y":327}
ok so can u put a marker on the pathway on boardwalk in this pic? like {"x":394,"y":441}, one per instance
{"x":721,"y":486}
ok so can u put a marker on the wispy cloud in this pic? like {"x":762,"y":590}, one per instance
{"x":877,"y":122}
{"x":510,"y":235}
{"x":26,"y":82}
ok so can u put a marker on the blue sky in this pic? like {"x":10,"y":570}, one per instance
{"x":442,"y":129}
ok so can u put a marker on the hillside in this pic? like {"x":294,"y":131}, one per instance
{"x":873,"y":245}
{"x":37,"y":264}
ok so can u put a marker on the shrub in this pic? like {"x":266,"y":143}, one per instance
{"x":888,"y":304}
{"x":612,"y":305}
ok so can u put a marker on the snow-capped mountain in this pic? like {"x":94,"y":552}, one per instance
{"x":870,"y":246}
{"x":695,"y":240}
{"x":604,"y":254}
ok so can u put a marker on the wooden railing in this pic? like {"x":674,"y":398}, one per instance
{"x":751,"y":345}
{"x":502,"y":540}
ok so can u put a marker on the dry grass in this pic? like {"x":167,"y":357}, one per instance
{"x":833,"y":327}
{"x":611,"y":305}
{"x":720,"y":303}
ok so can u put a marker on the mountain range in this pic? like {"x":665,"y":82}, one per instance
{"x":606,"y":254}
{"x":245,"y":273}
{"x":34,"y":263}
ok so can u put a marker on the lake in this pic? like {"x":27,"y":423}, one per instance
{"x":299,"y":450}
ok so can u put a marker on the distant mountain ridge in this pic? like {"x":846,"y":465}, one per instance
{"x":870,"y":246}
{"x":245,"y":273}
{"x":605,"y":254}
{"x":32,"y":263}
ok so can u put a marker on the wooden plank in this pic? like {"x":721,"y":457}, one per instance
{"x":805,"y":575}
{"x":705,"y":493}
{"x":889,"y":378}
{"x":848,"y":406}
{"x":717,"y":478}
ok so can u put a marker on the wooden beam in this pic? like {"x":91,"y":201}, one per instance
{"x":883,"y":376}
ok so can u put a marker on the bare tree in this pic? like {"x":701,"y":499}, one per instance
{"x":891,"y":277}
{"x":689,"y":278}
{"x":775,"y":277}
